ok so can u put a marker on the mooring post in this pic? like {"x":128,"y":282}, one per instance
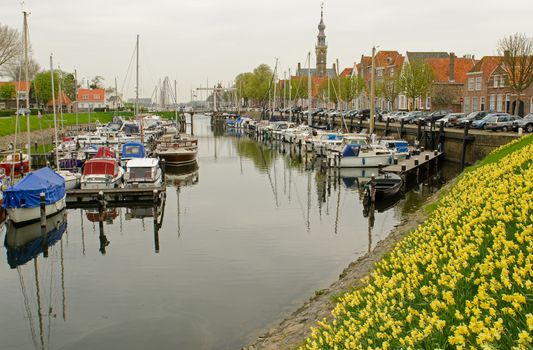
{"x":44,"y":234}
{"x":441,"y":137}
{"x":432,"y":131}
{"x":419,"y":129}
{"x":465,"y":137}
{"x":387,"y":127}
{"x":402,"y":121}
{"x":351,"y":122}
{"x":360,"y":123}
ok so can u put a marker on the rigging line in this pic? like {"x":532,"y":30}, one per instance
{"x":128,"y":71}
{"x":27,"y":307}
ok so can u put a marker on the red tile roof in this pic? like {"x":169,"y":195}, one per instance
{"x":91,"y":95}
{"x":346,"y":72}
{"x":65,"y":100}
{"x":388,"y":58}
{"x":486,"y":66}
{"x":20,"y":85}
{"x":440,"y":68}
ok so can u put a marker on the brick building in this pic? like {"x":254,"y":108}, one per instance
{"x":502,"y":99}
{"x":475,"y":91}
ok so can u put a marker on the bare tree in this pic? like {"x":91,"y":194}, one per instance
{"x":10,"y":44}
{"x":517,"y":52}
{"x":15,"y":70}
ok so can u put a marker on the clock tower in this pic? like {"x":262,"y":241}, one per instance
{"x":321,"y":49}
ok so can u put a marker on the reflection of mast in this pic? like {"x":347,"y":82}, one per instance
{"x":371,"y":218}
{"x":337,"y":210}
{"x":63,"y":283}
{"x":27,"y":307}
{"x":179,"y":223}
{"x":82,"y":233}
{"x":269,"y":176}
{"x":39,"y":314}
{"x":308,"y":200}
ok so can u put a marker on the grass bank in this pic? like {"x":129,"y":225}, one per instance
{"x":461,"y":280}
{"x":7,"y":124}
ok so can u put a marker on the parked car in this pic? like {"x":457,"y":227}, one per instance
{"x":395,"y":116}
{"x":470,"y":117}
{"x":525,"y":123}
{"x":434,"y":116}
{"x":365,"y":114}
{"x":480,"y":123}
{"x":408,"y":117}
{"x":450,"y":118}
{"x":502,"y":122}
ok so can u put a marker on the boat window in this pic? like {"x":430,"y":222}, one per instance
{"x":140,"y":173}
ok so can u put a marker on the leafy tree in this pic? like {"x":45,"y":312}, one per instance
{"x":67,"y":85}
{"x":298,"y":88}
{"x":243,"y":84}
{"x":7,"y":91}
{"x":10,"y":44}
{"x":517,"y":52}
{"x":261,"y":83}
{"x":43,"y":86}
{"x":416,"y":79}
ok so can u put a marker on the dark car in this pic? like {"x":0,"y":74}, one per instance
{"x":470,"y":117}
{"x":525,"y":123}
{"x":434,"y":116}
{"x":365,"y":114}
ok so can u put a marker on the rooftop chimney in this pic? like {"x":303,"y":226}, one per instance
{"x":299,"y":68}
{"x":451,"y":68}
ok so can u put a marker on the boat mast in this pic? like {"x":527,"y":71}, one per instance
{"x":290,"y":90}
{"x":275,"y":85}
{"x":27,"y":87}
{"x":76,"y":95}
{"x":54,"y":109}
{"x":372,"y":91}
{"x":309,"y":118}
{"x":137,"y":79}
{"x":176,"y":102}
{"x":60,"y":97}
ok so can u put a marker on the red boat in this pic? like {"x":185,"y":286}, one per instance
{"x":18,"y":162}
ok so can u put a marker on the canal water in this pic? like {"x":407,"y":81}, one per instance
{"x":242,"y":240}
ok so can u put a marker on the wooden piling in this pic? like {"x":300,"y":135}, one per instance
{"x":465,"y":139}
{"x":44,"y":233}
{"x":387,"y":127}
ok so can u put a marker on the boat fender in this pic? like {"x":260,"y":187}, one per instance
{"x":363,"y":161}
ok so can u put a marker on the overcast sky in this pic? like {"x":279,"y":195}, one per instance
{"x":195,"y":40}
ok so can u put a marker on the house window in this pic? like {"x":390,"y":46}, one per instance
{"x":492,"y":102}
{"x":496,"y":80}
{"x":85,"y":97}
{"x":478,"y":83}
{"x":392,"y":72}
{"x":428,"y":102}
{"x":474,"y":104}
{"x":470,"y":84}
{"x":96,"y":97}
{"x":499,"y":104}
{"x":482,"y":103}
{"x":531,"y":106}
{"x":467,"y":104}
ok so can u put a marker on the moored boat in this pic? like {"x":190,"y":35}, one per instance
{"x":102,"y":171}
{"x":177,"y":149}
{"x":16,"y":163}
{"x":22,"y":201}
{"x":142,"y":172}
{"x":358,"y":153}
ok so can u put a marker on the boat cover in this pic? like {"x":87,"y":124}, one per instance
{"x":351,"y":150}
{"x":17,"y":256}
{"x":104,"y":152}
{"x":100,"y":166}
{"x":401,"y":146}
{"x":133,"y":150}
{"x":25,"y":194}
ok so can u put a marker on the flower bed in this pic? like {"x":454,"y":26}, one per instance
{"x":461,"y":280}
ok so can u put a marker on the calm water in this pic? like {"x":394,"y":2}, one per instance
{"x":255,"y":235}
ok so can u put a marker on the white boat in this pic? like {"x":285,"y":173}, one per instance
{"x":358,"y":153}
{"x":72,"y":180}
{"x":22,"y":201}
{"x":143,"y":172}
{"x":102,"y":171}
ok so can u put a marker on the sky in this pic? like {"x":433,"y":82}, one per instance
{"x":196,"y":42}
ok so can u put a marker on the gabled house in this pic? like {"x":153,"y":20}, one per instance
{"x":500,"y":96}
{"x":91,"y":98}
{"x":475,"y":90}
{"x":62,"y":102}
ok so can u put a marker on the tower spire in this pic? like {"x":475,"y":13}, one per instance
{"x":321,"y":48}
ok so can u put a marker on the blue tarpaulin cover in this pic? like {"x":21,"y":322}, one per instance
{"x":402,"y":146}
{"x":351,"y":150}
{"x":133,"y":150}
{"x":25,"y":194}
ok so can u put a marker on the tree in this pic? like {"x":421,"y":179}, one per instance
{"x":443,"y":95}
{"x":416,"y":79}
{"x":15,"y":70}
{"x":243,"y":83}
{"x":97,"y":82}
{"x":43,"y":86}
{"x":517,"y":61}
{"x":389,"y":88}
{"x":7,"y":91}
{"x":67,"y":85}
{"x":261,"y":83}
{"x":10,"y":44}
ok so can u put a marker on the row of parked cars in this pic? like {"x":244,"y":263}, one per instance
{"x":486,"y":120}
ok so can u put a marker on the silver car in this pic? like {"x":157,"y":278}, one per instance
{"x":502,"y":122}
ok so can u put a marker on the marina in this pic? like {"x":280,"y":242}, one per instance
{"x":195,"y":257}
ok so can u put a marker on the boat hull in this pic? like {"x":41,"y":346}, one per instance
{"x":178,"y":157}
{"x":368,"y":161}
{"x":27,"y":215}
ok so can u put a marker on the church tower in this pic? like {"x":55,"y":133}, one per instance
{"x":321,"y":48}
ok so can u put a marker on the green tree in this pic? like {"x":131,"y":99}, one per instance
{"x":43,"y":86}
{"x":97,"y":82}
{"x":261,"y":83}
{"x":67,"y":85}
{"x":416,"y":80}
{"x":7,"y":91}
{"x":243,"y":85}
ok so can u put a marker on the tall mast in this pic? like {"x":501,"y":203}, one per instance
{"x":116,"y":94}
{"x":54,"y":109}
{"x":26,"y":61}
{"x":137,"y":79}
{"x":309,"y":97}
{"x":284,"y":90}
{"x":339,"y":98}
{"x":60,"y":97}
{"x":290,"y":97}
{"x":176,"y":100}
{"x":76,"y":95}
{"x":275,"y":83}
{"x":372,"y":91}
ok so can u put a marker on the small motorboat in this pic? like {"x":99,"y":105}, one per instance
{"x":142,"y":172}
{"x":177,"y":149}
{"x":17,"y":162}
{"x":22,"y":201}
{"x":72,"y":180}
{"x":383,"y":185}
{"x":102,"y":171}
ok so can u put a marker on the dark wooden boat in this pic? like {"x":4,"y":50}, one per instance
{"x":388,"y":184}
{"x":177,"y":149}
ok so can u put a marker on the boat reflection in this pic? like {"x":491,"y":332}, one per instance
{"x":27,"y":242}
{"x":185,"y":175}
